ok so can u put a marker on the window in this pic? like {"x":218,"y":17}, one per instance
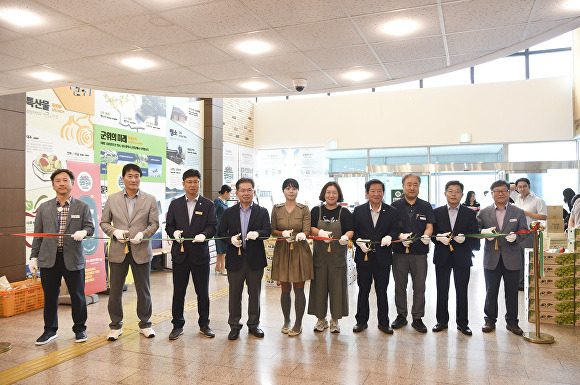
{"x":414,"y":85}
{"x":347,"y":160}
{"x":467,"y":153}
{"x":352,"y":92}
{"x":455,"y":78}
{"x":501,"y":70}
{"x":391,"y":156}
{"x":542,"y":151}
{"x":562,"y":41}
{"x":551,"y":64}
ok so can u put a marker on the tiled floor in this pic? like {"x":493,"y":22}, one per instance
{"x":371,"y":357}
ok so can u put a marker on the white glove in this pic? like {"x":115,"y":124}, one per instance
{"x":511,"y":237}
{"x":252,"y":235}
{"x":405,"y":236}
{"x":120,"y":235}
{"x":137,"y":238}
{"x":33,"y":265}
{"x":443,"y":238}
{"x":287,"y":234}
{"x":489,"y":230}
{"x":199,"y":238}
{"x":177,"y":235}
{"x":343,"y":240}
{"x":362,"y":244}
{"x":236,"y":241}
{"x":79,"y":235}
{"x":300,"y":237}
{"x":425,"y":239}
{"x":386,"y":241}
{"x":325,"y":234}
{"x":459,"y":238}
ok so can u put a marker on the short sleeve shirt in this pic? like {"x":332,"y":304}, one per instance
{"x":414,"y":219}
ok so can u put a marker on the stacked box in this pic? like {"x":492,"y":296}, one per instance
{"x":559,"y":293}
{"x":554,"y":220}
{"x":573,"y":244}
{"x":555,"y":240}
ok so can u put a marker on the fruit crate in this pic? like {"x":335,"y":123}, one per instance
{"x":18,"y":301}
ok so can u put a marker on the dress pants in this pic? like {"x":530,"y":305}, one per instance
{"x":510,"y":284}
{"x":117,"y":274}
{"x":461,"y":281}
{"x":366,"y":272}
{"x":236,"y":279}
{"x":51,"y":278}
{"x":200,"y":277}
{"x":416,"y":264}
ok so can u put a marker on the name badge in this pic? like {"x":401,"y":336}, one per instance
{"x":75,"y":216}
{"x":421,"y":217}
{"x":198,"y":213}
{"x":513,"y":220}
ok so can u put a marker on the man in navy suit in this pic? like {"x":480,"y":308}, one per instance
{"x":191,"y":216}
{"x":374,"y":221}
{"x":244,"y":227}
{"x":453,"y":251}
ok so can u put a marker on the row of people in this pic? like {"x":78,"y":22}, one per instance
{"x":130,"y":217}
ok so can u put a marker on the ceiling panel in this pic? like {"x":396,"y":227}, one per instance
{"x":90,"y":11}
{"x":35,"y":51}
{"x":272,"y":87}
{"x":161,"y":5}
{"x":415,"y":67}
{"x":327,"y":34}
{"x":226,"y":70}
{"x":342,"y":57}
{"x":228,"y":44}
{"x":540,"y":27}
{"x":191,"y":53}
{"x":160,"y":79}
{"x":377,"y":74}
{"x":220,"y":18}
{"x":9,"y":81}
{"x":77,"y":40}
{"x":316,"y":80}
{"x":357,"y":7}
{"x":484,"y":40}
{"x":466,"y":58}
{"x":6,"y":35}
{"x":279,"y":13}
{"x":427,"y":19}
{"x":158,"y":31}
{"x":410,"y":49}
{"x":51,"y":19}
{"x":287,"y":63}
{"x":25,"y":73}
{"x":480,"y":14}
{"x":116,"y":60}
{"x":201,"y":89}
{"x":10,"y":63}
{"x":550,"y":10}
{"x":89,"y":67}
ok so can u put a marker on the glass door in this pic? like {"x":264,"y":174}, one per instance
{"x":478,"y":182}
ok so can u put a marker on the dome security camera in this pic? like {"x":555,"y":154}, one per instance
{"x":299,"y":84}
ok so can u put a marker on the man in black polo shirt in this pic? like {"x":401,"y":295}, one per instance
{"x":416,"y":220}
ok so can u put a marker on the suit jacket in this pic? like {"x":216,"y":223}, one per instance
{"x":465,"y":223}
{"x":145,"y":219}
{"x":511,"y":253}
{"x":203,"y":221}
{"x":255,"y":252}
{"x":79,"y":218}
{"x":387,"y":224}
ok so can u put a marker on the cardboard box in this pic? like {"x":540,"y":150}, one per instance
{"x":573,"y":246}
{"x":555,"y":294}
{"x":558,"y":271}
{"x":555,"y":220}
{"x":556,"y":306}
{"x":555,"y":240}
{"x":555,"y":318}
{"x":562,"y":259}
{"x":557,"y":282}
{"x":573,"y":233}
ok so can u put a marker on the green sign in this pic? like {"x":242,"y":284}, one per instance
{"x":396,"y":194}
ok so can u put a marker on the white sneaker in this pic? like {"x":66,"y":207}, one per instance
{"x":334,"y":328}
{"x":147,"y":332}
{"x":321,"y":325}
{"x":114,"y":334}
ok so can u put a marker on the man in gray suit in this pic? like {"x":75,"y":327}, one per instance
{"x":502,"y":255}
{"x":62,"y":256}
{"x":130,"y":216}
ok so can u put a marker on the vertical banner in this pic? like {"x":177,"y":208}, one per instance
{"x":230,"y":163}
{"x":87,"y":189}
{"x":576,"y":82}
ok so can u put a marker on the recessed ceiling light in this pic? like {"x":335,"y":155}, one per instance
{"x":400,"y":27}
{"x":254,"y":86}
{"x":20,"y":17}
{"x":358,"y":75}
{"x":254,"y":47}
{"x":46,"y":76}
{"x":572,"y":5}
{"x":138,"y":63}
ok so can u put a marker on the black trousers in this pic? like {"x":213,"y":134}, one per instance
{"x":253,"y":280}
{"x":75,"y":282}
{"x":365,"y":275}
{"x":510,"y":284}
{"x":461,"y":281}
{"x":200,"y":277}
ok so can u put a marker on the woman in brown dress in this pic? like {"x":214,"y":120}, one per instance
{"x":292,"y":264}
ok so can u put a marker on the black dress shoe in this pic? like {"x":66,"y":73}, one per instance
{"x":175,"y":333}
{"x":234,"y":334}
{"x":465,"y":330}
{"x":488,"y":327}
{"x":359,"y":327}
{"x":439,"y":327}
{"x":387,"y":329}
{"x":399,"y":322}
{"x":206,"y":331}
{"x":257,"y":332}
{"x":418,"y":325}
{"x":514,"y":328}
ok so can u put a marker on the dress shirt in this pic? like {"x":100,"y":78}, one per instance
{"x":452,"y":215}
{"x":131,"y":202}
{"x":532,"y":204}
{"x":62,"y":215}
{"x":500,"y":215}
{"x":244,"y":221}
{"x":375,"y":214}
{"x":191,"y":206}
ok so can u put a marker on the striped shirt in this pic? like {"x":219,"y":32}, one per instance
{"x":62,"y":215}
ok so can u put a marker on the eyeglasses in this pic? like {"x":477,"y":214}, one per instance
{"x":190,"y":182}
{"x":244,"y":191}
{"x":522,"y":187}
{"x":454,"y":192}
{"x":504,"y":191}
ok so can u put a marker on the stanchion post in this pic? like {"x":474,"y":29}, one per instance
{"x":537,"y":337}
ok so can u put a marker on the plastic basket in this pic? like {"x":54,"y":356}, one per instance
{"x":18,"y":301}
